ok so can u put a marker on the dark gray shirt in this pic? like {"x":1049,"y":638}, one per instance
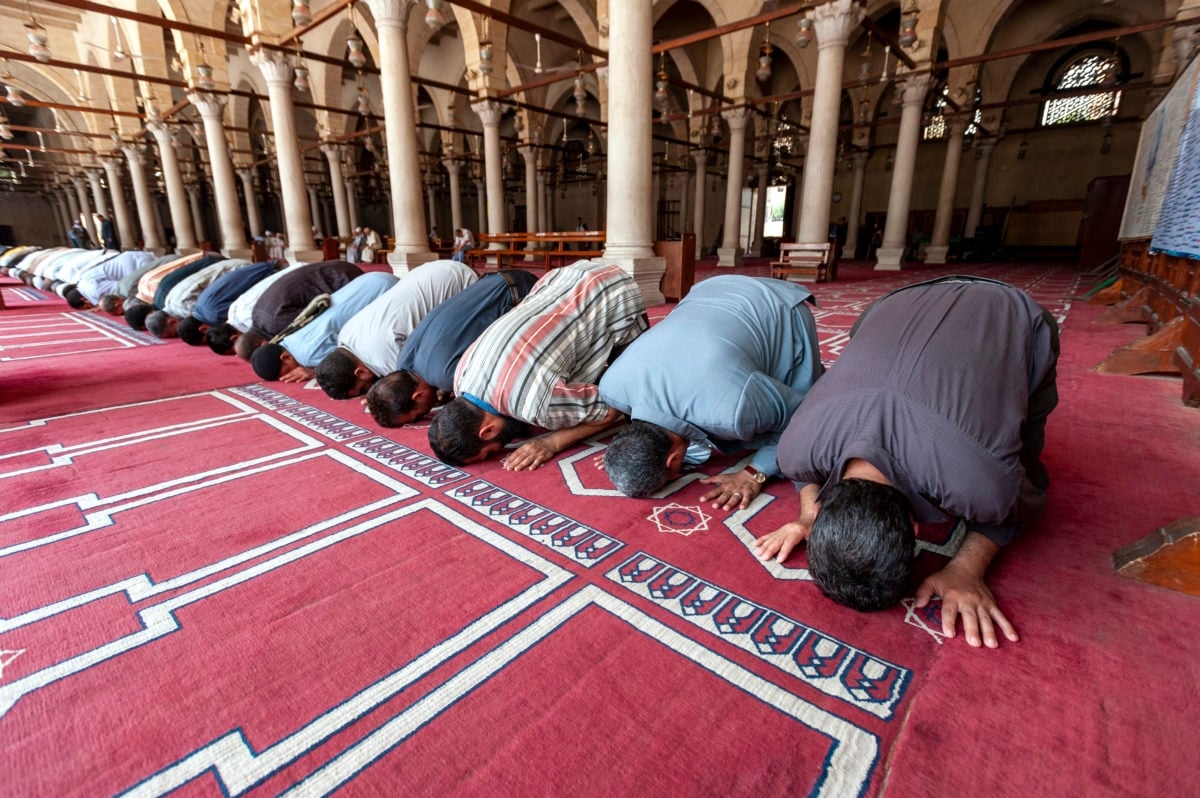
{"x":932,"y":390}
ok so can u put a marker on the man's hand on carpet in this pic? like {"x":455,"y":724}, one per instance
{"x":298,"y":374}
{"x":733,"y":490}
{"x":531,"y":455}
{"x":964,"y":592}
{"x":780,"y":543}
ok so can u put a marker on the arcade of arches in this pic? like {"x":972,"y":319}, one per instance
{"x":925,"y":128}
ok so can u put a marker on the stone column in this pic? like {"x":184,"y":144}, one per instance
{"x":529,"y":153}
{"x":277,"y":69}
{"x":185,"y":236}
{"x":404,"y":163}
{"x":890,"y":255}
{"x":730,"y":252}
{"x":85,"y":208}
{"x":93,"y":176}
{"x":454,"y":169}
{"x":314,"y":206}
{"x":489,"y":115}
{"x":685,"y":221}
{"x":72,"y":200}
{"x":135,"y":157}
{"x":630,"y":217}
{"x":337,"y":184}
{"x":59,"y":216}
{"x":352,"y":201}
{"x":760,"y":209}
{"x":481,"y":204}
{"x":983,"y":158}
{"x":700,"y":156}
{"x":253,"y":216}
{"x":856,"y":195}
{"x":542,"y":219}
{"x":112,"y":169}
{"x":192,"y":188}
{"x":431,"y":212}
{"x":229,"y":214}
{"x":939,"y":242}
{"x":833,"y":24}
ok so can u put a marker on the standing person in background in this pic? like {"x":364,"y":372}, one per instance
{"x":108,"y":236}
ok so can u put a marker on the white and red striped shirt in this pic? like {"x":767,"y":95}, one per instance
{"x":541,"y":362}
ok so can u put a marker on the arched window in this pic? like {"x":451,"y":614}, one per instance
{"x":1088,"y":84}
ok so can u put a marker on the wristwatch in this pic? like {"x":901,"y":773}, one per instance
{"x":756,"y":475}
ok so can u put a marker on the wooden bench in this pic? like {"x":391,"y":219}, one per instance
{"x":550,"y":250}
{"x":1162,"y":292}
{"x":803,"y":262}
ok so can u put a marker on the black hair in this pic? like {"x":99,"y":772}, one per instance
{"x":156,"y":323}
{"x":862,"y":546}
{"x":265,"y":361}
{"x":335,"y":374}
{"x":391,"y":396}
{"x":220,"y":338}
{"x":136,"y":311}
{"x":454,"y":432}
{"x":191,"y":330}
{"x":110,"y":302}
{"x":636,"y":460}
{"x":74,"y":298}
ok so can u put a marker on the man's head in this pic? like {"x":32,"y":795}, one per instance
{"x":861,"y":549}
{"x":112,"y":303}
{"x":221,"y":337}
{"x":75,"y":299}
{"x":463,"y":433}
{"x":246,"y":344}
{"x":136,"y":311}
{"x":270,"y":360}
{"x":400,"y":398}
{"x":161,"y":324}
{"x":642,"y":457}
{"x":343,"y":376}
{"x":191,"y":330}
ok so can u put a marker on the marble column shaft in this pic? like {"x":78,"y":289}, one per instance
{"x":277,"y":68}
{"x":895,"y":231}
{"x":489,"y":114}
{"x":135,"y":157}
{"x":833,"y":23}
{"x":730,"y":252}
{"x":337,"y":184}
{"x":454,"y":170}
{"x":229,"y":213}
{"x":125,"y":229}
{"x":983,"y":159}
{"x":854,"y":221}
{"x":939,"y":241}
{"x":177,"y":200}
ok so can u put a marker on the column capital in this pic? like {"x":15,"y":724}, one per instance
{"x":835,"y":21}
{"x":736,"y":117}
{"x":453,"y":165}
{"x":391,"y":12}
{"x":860,"y":159}
{"x":210,"y":104}
{"x":134,"y":152}
{"x":700,"y":156}
{"x":162,"y":134}
{"x":110,"y":161}
{"x":956,"y":124}
{"x":332,"y":150}
{"x":914,"y":88}
{"x":275,"y":66}
{"x":985,"y":146}
{"x":489,"y":111}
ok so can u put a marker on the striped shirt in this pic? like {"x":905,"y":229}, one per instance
{"x":541,"y":362}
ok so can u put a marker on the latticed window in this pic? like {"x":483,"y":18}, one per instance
{"x":1092,"y":69}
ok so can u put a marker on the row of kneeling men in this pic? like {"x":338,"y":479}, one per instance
{"x":935,"y":409}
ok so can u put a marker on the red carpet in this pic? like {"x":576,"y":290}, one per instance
{"x":228,"y":587}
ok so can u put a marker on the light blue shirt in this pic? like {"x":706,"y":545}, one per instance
{"x":312,"y":342}
{"x":725,"y":369}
